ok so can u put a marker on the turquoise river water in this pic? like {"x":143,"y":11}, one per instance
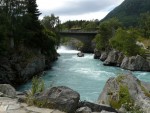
{"x":83,"y":74}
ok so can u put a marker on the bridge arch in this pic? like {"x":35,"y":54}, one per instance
{"x":83,"y":36}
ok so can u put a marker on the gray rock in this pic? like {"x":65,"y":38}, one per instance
{"x":112,"y":86}
{"x":103,"y":56}
{"x":97,"y":54}
{"x":96,"y":107}
{"x":61,"y":97}
{"x":80,"y":54}
{"x":135,"y":63}
{"x":84,"y":110}
{"x":120,"y":59}
{"x":36,"y":66}
{"x":8,"y":90}
{"x":114,"y":58}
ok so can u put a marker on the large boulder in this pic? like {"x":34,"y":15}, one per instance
{"x":61,"y":97}
{"x":8,"y":90}
{"x":97,"y":54}
{"x":138,"y":92}
{"x":135,"y":63}
{"x":114,"y":58}
{"x":103,"y":56}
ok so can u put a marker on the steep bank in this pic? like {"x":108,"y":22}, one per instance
{"x":116,"y":58}
{"x":19,"y":67}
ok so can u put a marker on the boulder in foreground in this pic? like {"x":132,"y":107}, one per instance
{"x":61,"y":97}
{"x":126,"y":91}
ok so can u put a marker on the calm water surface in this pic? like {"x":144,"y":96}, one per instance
{"x":83,"y":74}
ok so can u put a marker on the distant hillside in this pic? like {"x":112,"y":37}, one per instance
{"x":129,"y":11}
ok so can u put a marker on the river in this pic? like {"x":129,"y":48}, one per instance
{"x":83,"y":74}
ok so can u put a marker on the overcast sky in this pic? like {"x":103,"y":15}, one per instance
{"x":77,"y":9}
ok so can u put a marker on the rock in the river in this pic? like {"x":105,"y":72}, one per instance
{"x":8,"y":90}
{"x":97,"y":54}
{"x":80,"y":54}
{"x":135,"y":63}
{"x":61,"y":97}
{"x":114,"y":58}
{"x":138,"y":91}
{"x":103,"y":56}
{"x":84,"y":110}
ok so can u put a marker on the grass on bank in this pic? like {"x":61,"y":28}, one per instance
{"x":37,"y":87}
{"x":124,"y":98}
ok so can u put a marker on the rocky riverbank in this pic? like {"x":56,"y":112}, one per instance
{"x":59,"y":99}
{"x":19,"y":67}
{"x":122,"y":94}
{"x":116,"y":58}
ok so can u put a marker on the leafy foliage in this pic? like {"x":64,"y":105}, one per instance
{"x":83,"y":25}
{"x":106,"y":31}
{"x":37,"y":85}
{"x":19,"y":26}
{"x":125,"y":41}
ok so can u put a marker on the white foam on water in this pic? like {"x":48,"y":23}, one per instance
{"x":64,"y":49}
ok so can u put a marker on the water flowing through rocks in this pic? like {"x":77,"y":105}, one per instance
{"x":83,"y":74}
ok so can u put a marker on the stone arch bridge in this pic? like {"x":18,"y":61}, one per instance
{"x":85,"y":37}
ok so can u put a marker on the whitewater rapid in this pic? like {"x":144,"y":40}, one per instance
{"x":83,"y":74}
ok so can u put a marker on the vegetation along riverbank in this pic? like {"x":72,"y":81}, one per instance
{"x":28,"y":46}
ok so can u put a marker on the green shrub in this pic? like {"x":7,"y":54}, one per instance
{"x":37,"y":87}
{"x":125,"y":41}
{"x":123,"y":97}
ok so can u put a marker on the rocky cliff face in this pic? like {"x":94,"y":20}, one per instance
{"x":17,"y":69}
{"x":126,"y":91}
{"x":116,"y":58}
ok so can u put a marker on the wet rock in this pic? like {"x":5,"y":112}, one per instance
{"x":80,"y":54}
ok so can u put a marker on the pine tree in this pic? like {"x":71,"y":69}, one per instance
{"x":33,"y":26}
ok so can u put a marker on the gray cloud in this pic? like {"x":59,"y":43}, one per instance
{"x":78,"y":7}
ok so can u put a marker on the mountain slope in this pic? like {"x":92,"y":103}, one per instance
{"x":129,"y":11}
